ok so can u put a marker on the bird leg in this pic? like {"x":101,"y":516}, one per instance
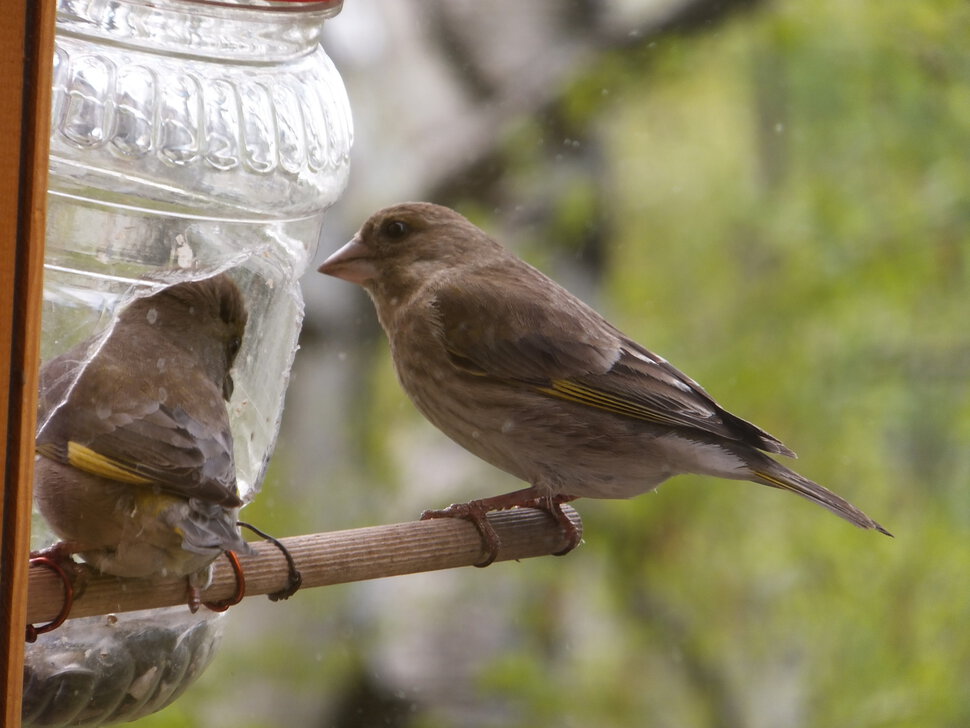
{"x":552,"y":504}
{"x":62,"y":555}
{"x":60,"y":552}
{"x":476,"y":511}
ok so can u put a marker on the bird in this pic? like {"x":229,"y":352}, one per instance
{"x":135,"y":469}
{"x":525,"y":375}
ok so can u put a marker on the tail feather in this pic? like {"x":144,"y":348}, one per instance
{"x":769,"y":472}
{"x":208,"y":527}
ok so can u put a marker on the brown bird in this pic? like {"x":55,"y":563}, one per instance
{"x":136,"y":471}
{"x":523,"y":374}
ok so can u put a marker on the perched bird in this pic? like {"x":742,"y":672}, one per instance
{"x":135,"y":468}
{"x":523,"y":374}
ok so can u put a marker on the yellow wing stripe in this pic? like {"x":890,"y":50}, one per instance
{"x":86,"y":459}
{"x":573,"y":392}
{"x":776,"y":482}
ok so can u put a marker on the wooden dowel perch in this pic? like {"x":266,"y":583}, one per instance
{"x":336,"y":557}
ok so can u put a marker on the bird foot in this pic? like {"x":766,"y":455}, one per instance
{"x":193,"y":596}
{"x":474,"y":511}
{"x":61,"y":552}
{"x":553,"y":506}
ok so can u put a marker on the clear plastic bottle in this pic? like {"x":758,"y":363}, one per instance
{"x":189,"y":138}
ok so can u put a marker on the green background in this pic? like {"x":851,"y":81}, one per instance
{"x":782,"y":211}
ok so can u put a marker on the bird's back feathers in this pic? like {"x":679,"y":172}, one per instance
{"x":138,"y":407}
{"x":493,"y":324}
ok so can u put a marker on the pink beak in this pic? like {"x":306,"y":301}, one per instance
{"x":354,"y":262}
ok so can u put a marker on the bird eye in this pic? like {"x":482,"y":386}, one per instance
{"x":396,"y":229}
{"x":235,"y":343}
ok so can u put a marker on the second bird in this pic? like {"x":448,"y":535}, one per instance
{"x":523,"y":374}
{"x":136,"y":470}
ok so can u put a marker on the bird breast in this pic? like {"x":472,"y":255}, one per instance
{"x":559,"y":446}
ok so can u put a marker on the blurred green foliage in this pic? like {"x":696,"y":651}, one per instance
{"x":788,"y":200}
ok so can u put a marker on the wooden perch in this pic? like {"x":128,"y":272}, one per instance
{"x":322,"y":558}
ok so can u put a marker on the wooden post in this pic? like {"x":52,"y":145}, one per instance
{"x":26,"y":54}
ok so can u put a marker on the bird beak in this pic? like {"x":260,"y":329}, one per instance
{"x":354,"y":262}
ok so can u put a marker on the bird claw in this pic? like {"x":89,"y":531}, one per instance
{"x":553,"y":506}
{"x":193,"y":597}
{"x":475,"y":512}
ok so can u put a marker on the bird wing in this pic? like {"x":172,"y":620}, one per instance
{"x":545,"y":338}
{"x":185,"y":451}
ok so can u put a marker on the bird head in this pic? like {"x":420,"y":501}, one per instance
{"x":207,"y":316}
{"x":402,"y":247}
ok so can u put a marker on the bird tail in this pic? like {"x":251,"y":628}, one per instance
{"x":209,"y":527}
{"x":769,"y":472}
